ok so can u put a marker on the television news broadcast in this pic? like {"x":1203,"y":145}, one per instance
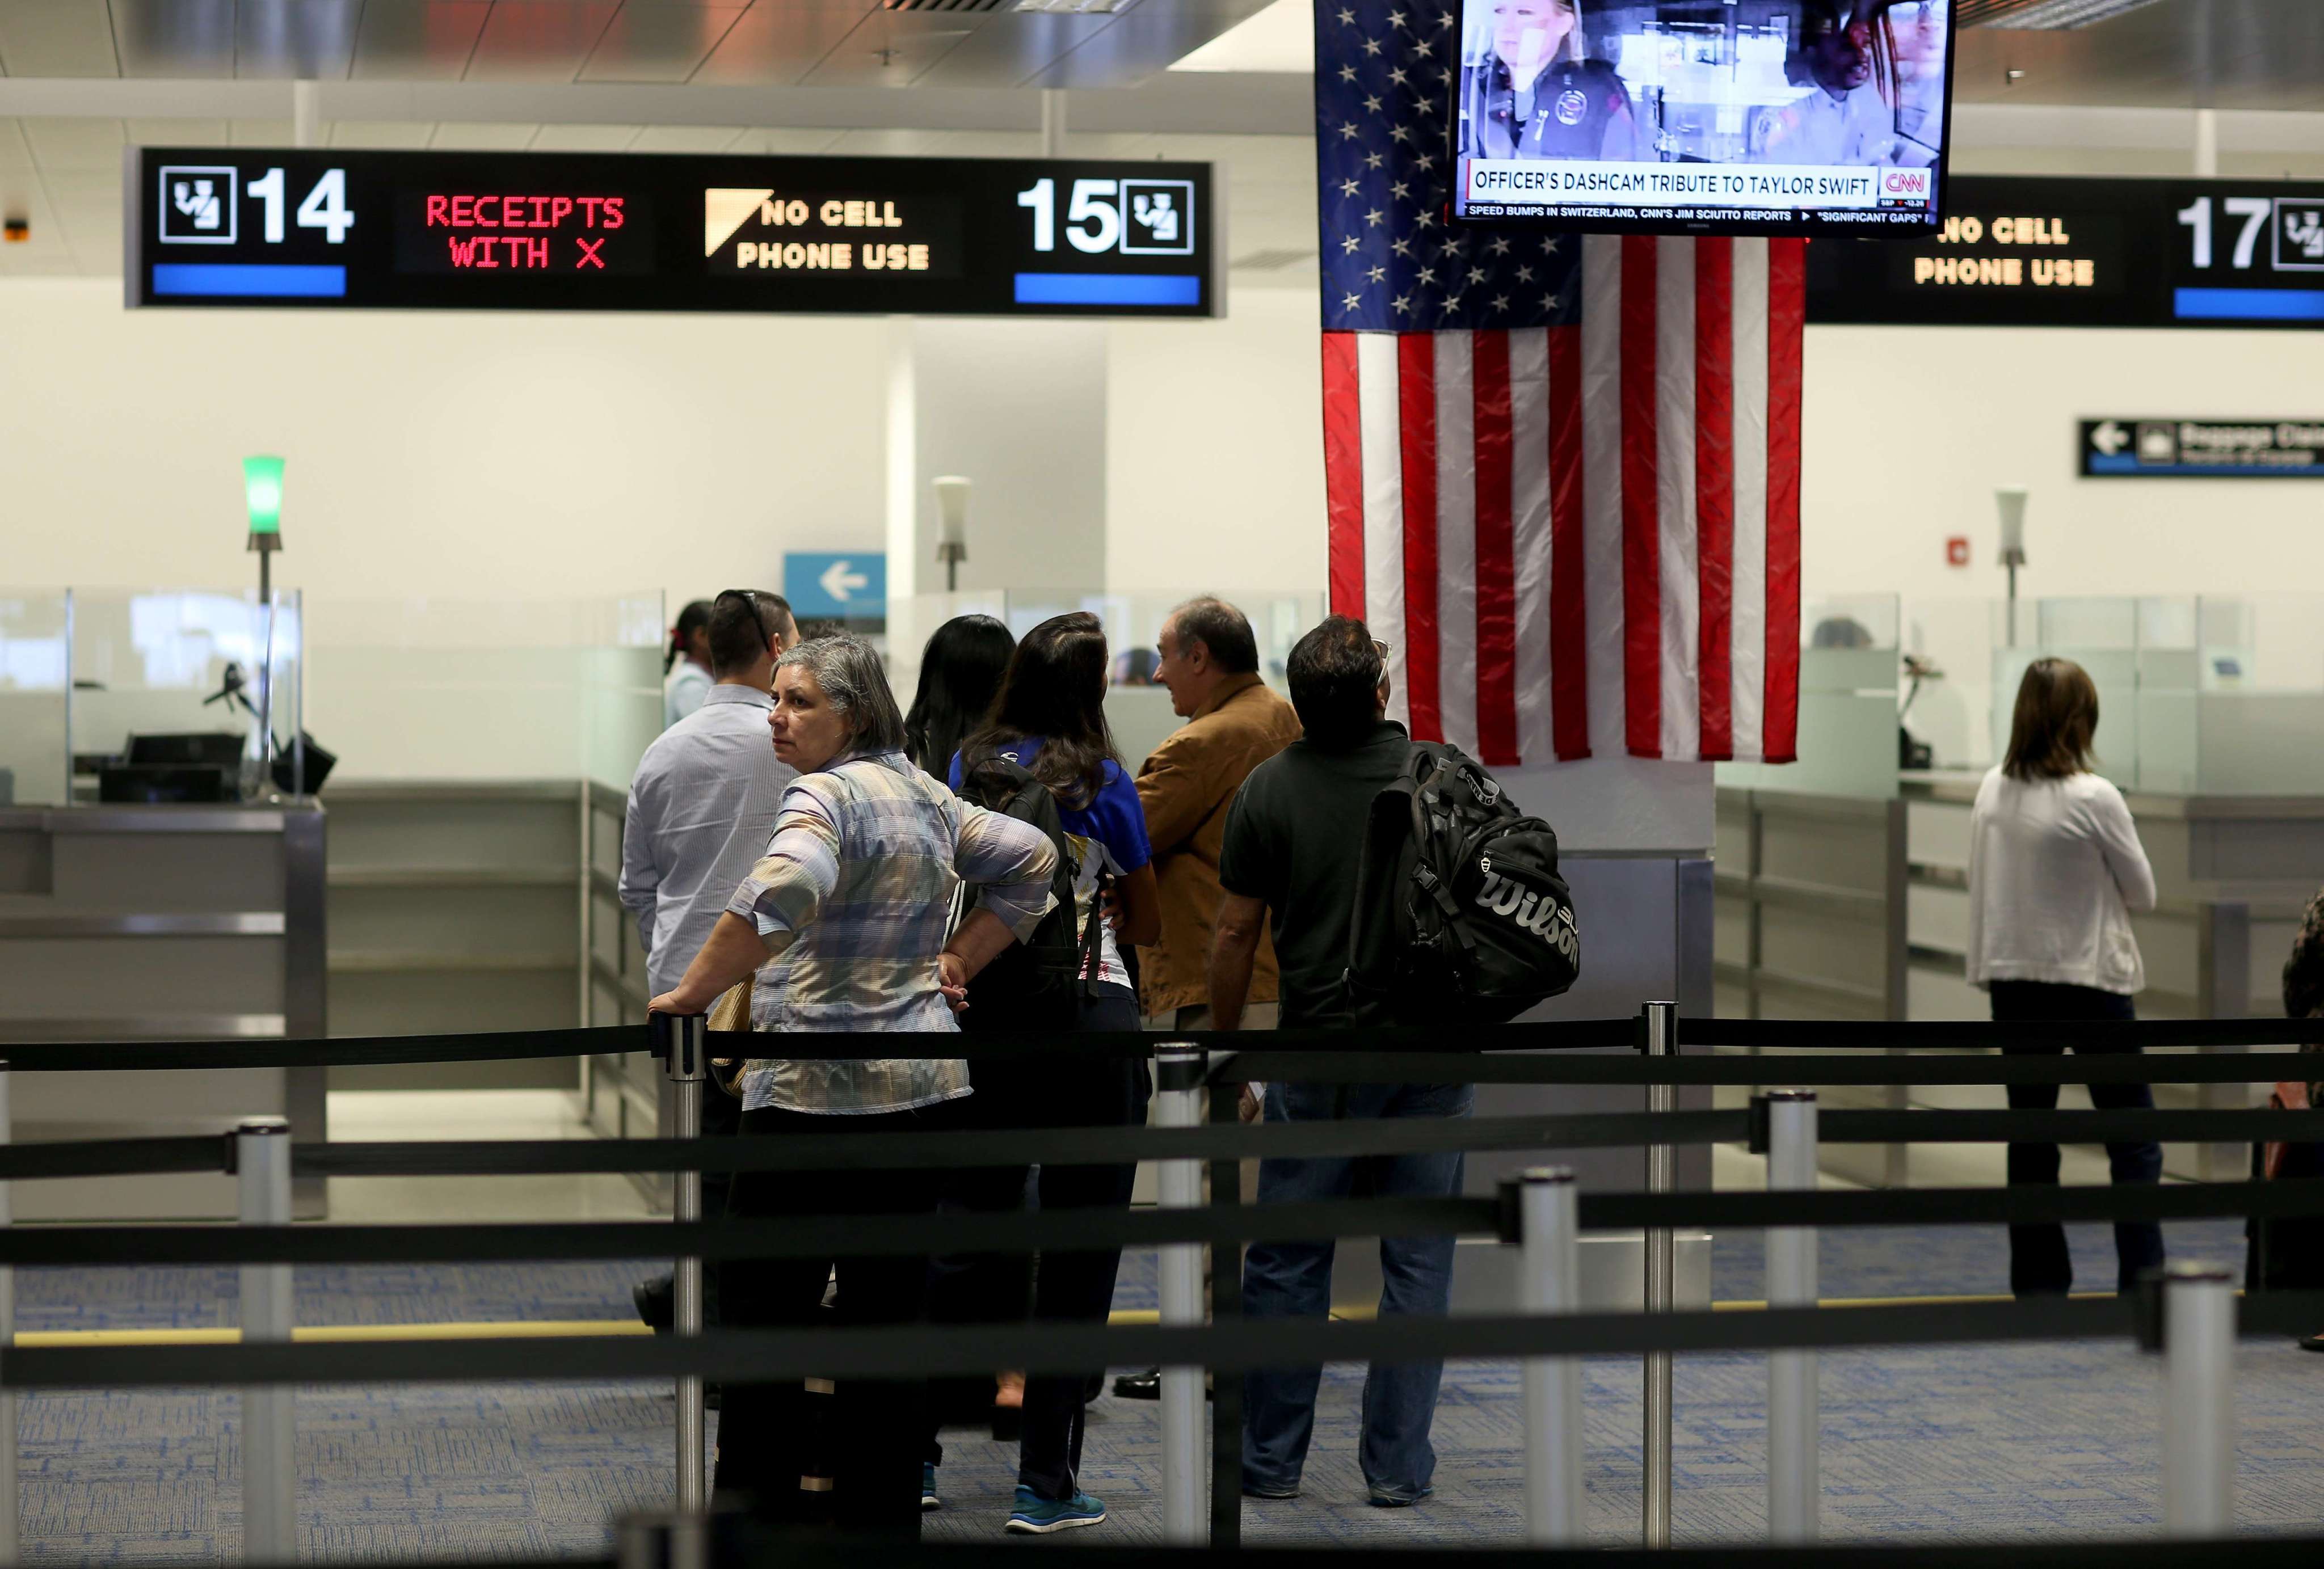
{"x":1746,"y":116}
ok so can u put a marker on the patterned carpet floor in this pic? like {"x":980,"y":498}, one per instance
{"x":1919,"y":1445}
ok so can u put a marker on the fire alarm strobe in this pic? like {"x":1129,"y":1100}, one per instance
{"x":15,"y":230}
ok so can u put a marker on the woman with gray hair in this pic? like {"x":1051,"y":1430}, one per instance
{"x":854,"y":897}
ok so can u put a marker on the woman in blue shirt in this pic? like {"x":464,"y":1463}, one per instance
{"x":1050,"y":720}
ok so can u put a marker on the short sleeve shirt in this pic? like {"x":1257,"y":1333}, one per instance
{"x":1293,"y":839}
{"x":1106,"y":837}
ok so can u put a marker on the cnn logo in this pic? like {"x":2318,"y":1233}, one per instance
{"x":1906,"y":182}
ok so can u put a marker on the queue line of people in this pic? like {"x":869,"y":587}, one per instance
{"x":877,"y":898}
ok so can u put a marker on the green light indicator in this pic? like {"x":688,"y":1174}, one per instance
{"x":261,"y":487}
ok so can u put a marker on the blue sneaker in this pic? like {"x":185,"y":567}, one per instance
{"x":1037,"y":1515}
{"x":928,"y":1498}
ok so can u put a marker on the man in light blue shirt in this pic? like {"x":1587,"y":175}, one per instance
{"x":703,"y":802}
{"x":702,"y":808}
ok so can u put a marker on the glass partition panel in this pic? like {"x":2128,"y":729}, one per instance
{"x":1139,"y":711}
{"x":1948,"y":676}
{"x":621,"y":686}
{"x":2101,"y":636}
{"x":2260,"y":708}
{"x":34,"y":770}
{"x":1848,"y":662}
{"x":487,"y":689}
{"x":184,"y":663}
{"x":2169,"y":685}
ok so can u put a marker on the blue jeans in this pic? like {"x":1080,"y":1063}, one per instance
{"x":1294,"y":1280}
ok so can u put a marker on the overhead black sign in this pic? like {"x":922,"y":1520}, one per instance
{"x":476,"y":231}
{"x":2022,"y":252}
{"x":2202,"y":449}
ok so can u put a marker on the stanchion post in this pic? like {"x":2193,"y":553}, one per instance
{"x":1186,"y":1503}
{"x":1795,"y":1484}
{"x":683,"y":1042}
{"x":10,"y":1505}
{"x":1225,"y":1192}
{"x":269,"y":1476}
{"x":2199,"y":1401}
{"x":1661,"y":1041}
{"x":1549,"y":1280}
{"x":679,"y":1540}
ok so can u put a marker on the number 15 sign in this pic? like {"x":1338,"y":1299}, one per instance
{"x":452,"y":231}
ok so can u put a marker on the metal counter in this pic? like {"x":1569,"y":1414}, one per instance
{"x":160,"y":922}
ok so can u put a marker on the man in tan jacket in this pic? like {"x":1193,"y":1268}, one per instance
{"x":1210,"y":662}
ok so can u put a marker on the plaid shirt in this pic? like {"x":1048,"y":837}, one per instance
{"x":854,"y":898}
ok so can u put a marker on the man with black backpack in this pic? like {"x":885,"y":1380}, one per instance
{"x":1294,"y":843}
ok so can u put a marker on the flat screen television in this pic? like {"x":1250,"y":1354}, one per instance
{"x":1702,"y":116}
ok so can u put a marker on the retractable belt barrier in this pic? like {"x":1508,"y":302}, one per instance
{"x":1552,"y":1036}
{"x":762,"y":1355}
{"x":2193,"y":1318}
{"x":902,"y":1235}
{"x":952,"y":1150}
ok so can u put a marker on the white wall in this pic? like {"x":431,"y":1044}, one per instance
{"x":1020,"y":407}
{"x":1908,"y":429}
{"x":1215,"y":448}
{"x":465,"y":456}
{"x":452,"y":455}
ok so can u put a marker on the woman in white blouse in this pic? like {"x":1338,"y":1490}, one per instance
{"x":2055,"y":872}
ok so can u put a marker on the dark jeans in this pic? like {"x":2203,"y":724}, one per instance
{"x":767,"y":1432}
{"x":1069,"y":1287}
{"x":2039,"y":1263}
{"x":1294,"y":1280}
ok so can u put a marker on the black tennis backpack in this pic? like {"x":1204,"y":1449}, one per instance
{"x":1461,"y":917}
{"x":1038,"y":983}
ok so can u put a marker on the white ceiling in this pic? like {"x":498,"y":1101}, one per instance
{"x":757,"y":42}
{"x":80,"y":79}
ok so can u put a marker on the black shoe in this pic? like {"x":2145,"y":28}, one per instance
{"x":657,"y":1304}
{"x":1147,"y":1386}
{"x":2312,"y":1343}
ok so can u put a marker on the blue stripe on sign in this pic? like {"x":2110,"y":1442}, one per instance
{"x":1109,"y":288}
{"x":250,"y":280}
{"x":2251,"y":304}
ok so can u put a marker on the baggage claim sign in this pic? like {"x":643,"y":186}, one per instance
{"x":467,"y":231}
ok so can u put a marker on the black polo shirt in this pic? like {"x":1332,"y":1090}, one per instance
{"x":1294,"y":836}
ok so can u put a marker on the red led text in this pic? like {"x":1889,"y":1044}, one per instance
{"x":524,"y":212}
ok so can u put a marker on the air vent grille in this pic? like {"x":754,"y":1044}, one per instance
{"x":2042,"y":15}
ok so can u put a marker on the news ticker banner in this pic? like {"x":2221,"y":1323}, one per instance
{"x":483,"y":231}
{"x":2124,"y":448}
{"x":1617,"y":192}
{"x":2027,"y":252}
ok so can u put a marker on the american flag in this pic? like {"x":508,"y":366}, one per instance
{"x":1562,"y":472}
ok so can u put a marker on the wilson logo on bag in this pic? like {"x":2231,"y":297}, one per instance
{"x":1460,"y":915}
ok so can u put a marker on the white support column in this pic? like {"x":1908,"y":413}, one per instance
{"x":269,"y":1476}
{"x":2207,"y":144}
{"x":1549,"y":1280}
{"x":1185,"y":1458}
